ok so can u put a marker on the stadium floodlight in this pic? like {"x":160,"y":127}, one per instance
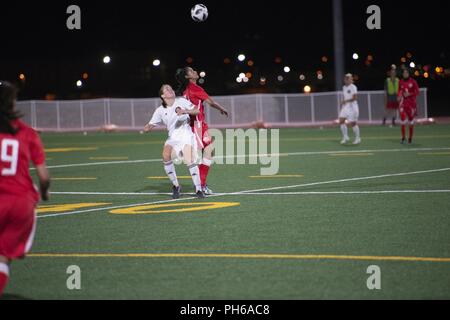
{"x":307,"y":89}
{"x":412,"y":64}
{"x":79,"y":83}
{"x":203,"y":74}
{"x":355,"y":56}
{"x":287,"y":69}
{"x":302,"y":77}
{"x":156,"y":62}
{"x":106,"y":59}
{"x":239,"y":79}
{"x":241,"y":57}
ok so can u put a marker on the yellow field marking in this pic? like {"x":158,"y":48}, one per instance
{"x":239,"y":256}
{"x":52,"y":150}
{"x":434,"y":153}
{"x":350,"y":154}
{"x":179,"y":207}
{"x":165,"y":177}
{"x":108,"y":158}
{"x":68,"y":207}
{"x":280,"y":176}
{"x":74,"y":179}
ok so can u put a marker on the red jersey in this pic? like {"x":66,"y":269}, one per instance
{"x":196,"y":95}
{"x":16,"y":153}
{"x":408,"y":86}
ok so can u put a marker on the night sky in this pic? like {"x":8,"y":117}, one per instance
{"x":36,"y":42}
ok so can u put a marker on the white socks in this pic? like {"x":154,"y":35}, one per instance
{"x":171,"y":173}
{"x":344,"y":131}
{"x":356,"y":132}
{"x":195,"y":174}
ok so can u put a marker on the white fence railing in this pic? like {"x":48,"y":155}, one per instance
{"x":273,"y":109}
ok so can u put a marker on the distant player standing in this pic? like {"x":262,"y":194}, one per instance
{"x":350,"y":110}
{"x":187,"y":80}
{"x":407,"y":94}
{"x":175,"y":114}
{"x":391,"y":87}
{"x":19,"y":144}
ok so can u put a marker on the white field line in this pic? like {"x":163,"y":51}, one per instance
{"x":306,"y":153}
{"x":255,"y":193}
{"x":250,"y":191}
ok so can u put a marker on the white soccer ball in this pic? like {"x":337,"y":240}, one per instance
{"x":199,"y":12}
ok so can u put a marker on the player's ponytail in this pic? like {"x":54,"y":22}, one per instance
{"x":8,"y":95}
{"x":183,"y":82}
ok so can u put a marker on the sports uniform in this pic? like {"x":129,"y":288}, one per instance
{"x":18,"y":195}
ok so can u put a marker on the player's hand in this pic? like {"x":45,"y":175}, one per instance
{"x":147,"y":128}
{"x":224,"y":112}
{"x":180,"y":111}
{"x":45,"y":195}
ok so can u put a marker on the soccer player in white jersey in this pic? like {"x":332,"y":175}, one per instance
{"x":174,"y":114}
{"x":350,"y":110}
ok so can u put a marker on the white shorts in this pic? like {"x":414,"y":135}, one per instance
{"x":178,"y":142}
{"x":351,"y":113}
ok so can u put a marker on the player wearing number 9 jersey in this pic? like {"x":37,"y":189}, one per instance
{"x":19,"y":144}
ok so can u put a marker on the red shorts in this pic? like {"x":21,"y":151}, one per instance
{"x":200,"y":130}
{"x":17,"y":226}
{"x":392,"y":105}
{"x":408,"y":113}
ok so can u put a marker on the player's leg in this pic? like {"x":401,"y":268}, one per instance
{"x":344,"y":130}
{"x":207,"y":159}
{"x":4,"y":273}
{"x":188,"y":154}
{"x":356,"y":131}
{"x":169,"y":168}
{"x":17,"y":229}
{"x":403,"y":124}
{"x":411,"y":126}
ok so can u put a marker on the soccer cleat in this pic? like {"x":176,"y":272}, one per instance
{"x":345,"y":140}
{"x":206,"y":190}
{"x":402,"y":141}
{"x":176,"y":192}
{"x":200,"y":194}
{"x":409,"y":141}
{"x":357,"y":141}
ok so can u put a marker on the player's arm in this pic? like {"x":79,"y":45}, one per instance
{"x":148,"y":127}
{"x":44,"y":181}
{"x":192,"y":111}
{"x":354,"y":98}
{"x":217,"y":106}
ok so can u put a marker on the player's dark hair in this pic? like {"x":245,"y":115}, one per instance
{"x":161,"y":92}
{"x":183,"y":82}
{"x":8,"y":95}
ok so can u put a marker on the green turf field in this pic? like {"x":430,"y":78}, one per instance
{"x":310,"y":233}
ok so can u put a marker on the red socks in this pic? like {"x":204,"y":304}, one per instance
{"x":204,"y":169}
{"x":4,"y":275}
{"x":403,"y":131}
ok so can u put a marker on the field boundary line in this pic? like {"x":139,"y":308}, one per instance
{"x":251,"y":191}
{"x":305,"y":153}
{"x":82,"y":193}
{"x":239,"y":256}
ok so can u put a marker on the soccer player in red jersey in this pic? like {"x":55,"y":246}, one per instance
{"x":19,"y":144}
{"x":187,"y":81}
{"x":407,"y":94}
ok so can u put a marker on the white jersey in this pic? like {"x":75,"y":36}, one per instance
{"x":176,"y":125}
{"x":349,"y":92}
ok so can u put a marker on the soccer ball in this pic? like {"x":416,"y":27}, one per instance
{"x":199,"y":12}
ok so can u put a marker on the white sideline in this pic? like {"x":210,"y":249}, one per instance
{"x":250,"y":191}
{"x":306,"y":153}
{"x":255,"y":193}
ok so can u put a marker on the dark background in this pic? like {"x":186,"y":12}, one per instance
{"x":36,"y":42}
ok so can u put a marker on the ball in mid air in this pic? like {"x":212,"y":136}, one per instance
{"x":199,"y":12}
